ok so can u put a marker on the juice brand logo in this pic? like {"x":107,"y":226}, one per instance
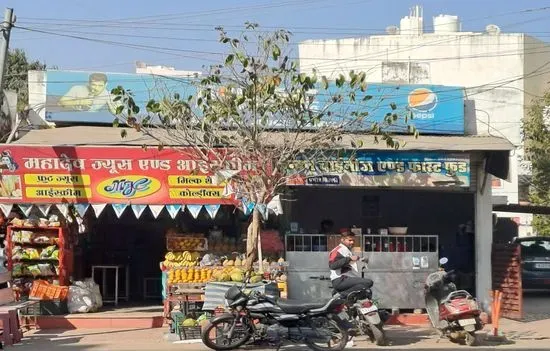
{"x":422,"y":102}
{"x":128,"y":187}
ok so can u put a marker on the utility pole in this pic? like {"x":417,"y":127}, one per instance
{"x":7,"y":24}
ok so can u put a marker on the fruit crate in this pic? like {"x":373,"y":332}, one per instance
{"x":186,"y":243}
{"x":47,"y":308}
{"x":184,"y":333}
{"x":43,"y":290}
{"x":190,"y":333}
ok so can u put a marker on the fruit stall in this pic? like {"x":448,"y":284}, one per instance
{"x":197,"y":275}
{"x":39,"y":257}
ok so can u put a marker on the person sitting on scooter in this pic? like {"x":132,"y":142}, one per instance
{"x":344,"y":274}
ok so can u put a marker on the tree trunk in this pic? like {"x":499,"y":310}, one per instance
{"x":252,"y":240}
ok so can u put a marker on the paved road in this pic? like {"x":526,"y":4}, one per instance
{"x":154,"y":339}
{"x":536,"y":306}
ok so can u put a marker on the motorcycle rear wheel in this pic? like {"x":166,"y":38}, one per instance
{"x":470,"y":339}
{"x":226,"y":344}
{"x":334,"y":328}
{"x":378,"y":335}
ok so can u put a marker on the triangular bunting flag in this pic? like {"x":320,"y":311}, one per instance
{"x":194,"y":210}
{"x":228,"y":190}
{"x":98,"y":209}
{"x":156,"y":209}
{"x":44,"y":209}
{"x":26,"y":209}
{"x":81,"y":209}
{"x":248,"y":206}
{"x":212,"y":210}
{"x":6,"y":209}
{"x":119,"y":209}
{"x":63,"y":209}
{"x":138,"y":210}
{"x":275,"y":205}
{"x":173,"y":210}
{"x":263,"y":211}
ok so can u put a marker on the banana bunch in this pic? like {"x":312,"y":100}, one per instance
{"x":181,"y":259}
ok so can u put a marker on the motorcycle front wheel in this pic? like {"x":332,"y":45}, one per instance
{"x":226,"y":333}
{"x":338,"y":338}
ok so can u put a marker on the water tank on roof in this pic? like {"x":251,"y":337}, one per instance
{"x":392,"y":30}
{"x":446,"y":24}
{"x":492,"y":29}
{"x":413,"y":24}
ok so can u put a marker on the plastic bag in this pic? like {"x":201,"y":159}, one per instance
{"x":96,"y":292}
{"x":84,"y":297}
{"x":79,"y":300}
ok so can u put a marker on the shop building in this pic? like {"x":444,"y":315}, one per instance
{"x":428,"y":200}
{"x":438,"y":186}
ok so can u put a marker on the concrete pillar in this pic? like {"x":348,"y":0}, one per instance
{"x":483,"y":237}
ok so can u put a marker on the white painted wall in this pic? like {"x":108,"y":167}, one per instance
{"x":484,"y":239}
{"x":490,"y":67}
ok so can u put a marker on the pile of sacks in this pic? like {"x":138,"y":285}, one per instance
{"x":84,"y":297}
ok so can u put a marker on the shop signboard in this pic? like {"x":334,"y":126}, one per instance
{"x":383,"y":169}
{"x":85,"y":97}
{"x":96,"y":175}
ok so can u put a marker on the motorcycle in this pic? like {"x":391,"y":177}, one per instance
{"x":453,"y":313}
{"x":258,"y":317}
{"x":365,"y":316}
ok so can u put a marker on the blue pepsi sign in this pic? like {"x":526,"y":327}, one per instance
{"x":84,"y":97}
{"x":433,"y":109}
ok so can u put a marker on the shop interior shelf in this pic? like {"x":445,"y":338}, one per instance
{"x":35,"y":260}
{"x":34,"y":228}
{"x":34,"y":244}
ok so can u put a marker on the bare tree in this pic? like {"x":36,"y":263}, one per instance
{"x":259,"y":107}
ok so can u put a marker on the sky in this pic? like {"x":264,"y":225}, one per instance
{"x":111,"y":35}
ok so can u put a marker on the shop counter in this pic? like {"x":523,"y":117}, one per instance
{"x":398,"y":266}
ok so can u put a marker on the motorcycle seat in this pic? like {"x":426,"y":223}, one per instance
{"x":359,"y":295}
{"x":456,"y":295}
{"x":299,"y":306}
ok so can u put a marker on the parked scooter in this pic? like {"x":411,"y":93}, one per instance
{"x":454,"y":313}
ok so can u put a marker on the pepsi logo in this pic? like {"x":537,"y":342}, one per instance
{"x":422,"y":100}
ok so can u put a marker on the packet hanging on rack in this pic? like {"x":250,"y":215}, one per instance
{"x":46,"y":269}
{"x":48,"y":252}
{"x":26,"y":236}
{"x":40,"y":238}
{"x":31,"y":254}
{"x":18,"y":269}
{"x":34,"y":270}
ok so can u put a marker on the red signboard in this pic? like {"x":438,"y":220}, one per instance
{"x":130,"y":175}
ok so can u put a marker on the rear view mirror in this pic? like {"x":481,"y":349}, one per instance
{"x":443,"y":260}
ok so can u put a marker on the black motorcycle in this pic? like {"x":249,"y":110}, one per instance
{"x":256,"y":317}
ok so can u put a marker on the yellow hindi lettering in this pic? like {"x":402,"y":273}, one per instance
{"x":196,"y":193}
{"x":58,"y":193}
{"x":192,"y":180}
{"x":57,"y":179}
